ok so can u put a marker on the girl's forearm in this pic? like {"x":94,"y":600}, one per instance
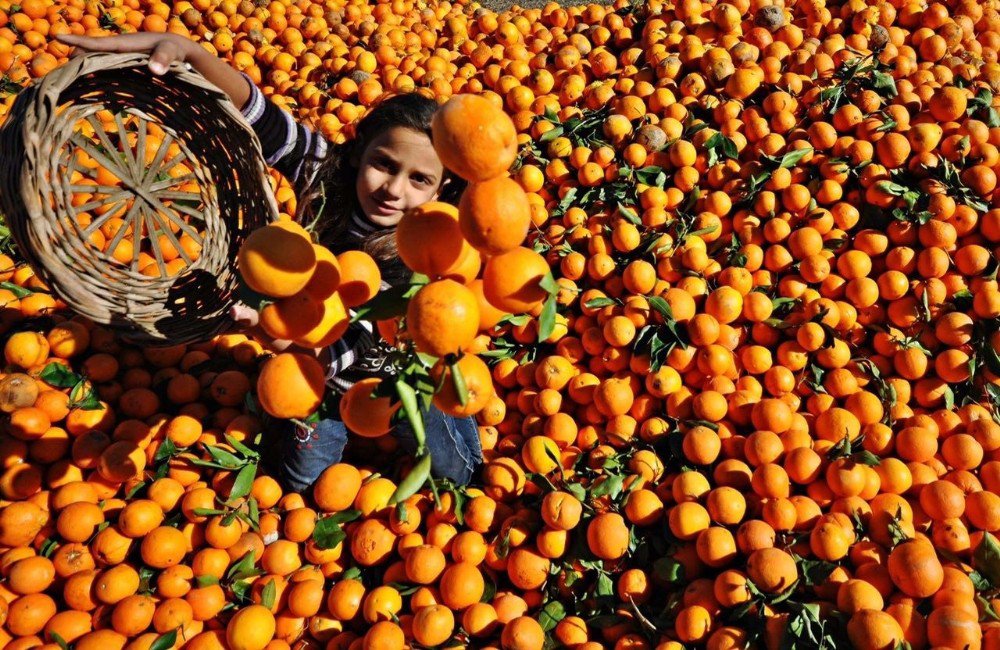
{"x":220,"y":73}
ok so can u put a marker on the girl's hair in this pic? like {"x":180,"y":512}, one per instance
{"x":336,"y":178}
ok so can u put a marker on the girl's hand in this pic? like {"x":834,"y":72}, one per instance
{"x":245,"y":316}
{"x":164,"y":49}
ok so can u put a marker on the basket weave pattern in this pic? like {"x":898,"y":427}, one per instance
{"x":222,"y":194}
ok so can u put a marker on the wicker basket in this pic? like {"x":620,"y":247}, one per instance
{"x":172,"y":160}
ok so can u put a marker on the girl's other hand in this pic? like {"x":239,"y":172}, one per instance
{"x":164,"y":49}
{"x":245,"y":316}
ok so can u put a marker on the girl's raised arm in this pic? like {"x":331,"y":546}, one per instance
{"x":286,"y":144}
{"x":289,"y":146}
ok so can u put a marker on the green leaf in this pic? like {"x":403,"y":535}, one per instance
{"x":949,"y":398}
{"x":516,"y":320}
{"x":792,"y":158}
{"x":884,"y":82}
{"x":629,"y":215}
{"x":814,"y":572}
{"x":208,"y":512}
{"x":610,"y":486}
{"x":206,"y":580}
{"x":577,"y":491}
{"x":704,"y":231}
{"x":408,"y":396}
{"x":244,"y":568}
{"x":549,"y":284}
{"x":240,"y":447}
{"x":87,"y":401}
{"x":661,"y":306}
{"x":651,"y":175}
{"x":986,"y":559}
{"x":979,"y":581}
{"x":60,"y":376}
{"x":551,"y":134}
{"x":458,"y":380}
{"x":866,"y":458}
{"x":223,"y":457}
{"x":566,"y":202}
{"x":328,"y":531}
{"x":413,"y":481}
{"x":553,"y":612}
{"x":49,"y":547}
{"x":989,"y":612}
{"x":547,"y":319}
{"x":604,"y":587}
{"x":165,"y":451}
{"x":600,"y":303}
{"x":241,"y":591}
{"x":61,"y":642}
{"x":19,"y":292}
{"x":165,"y":641}
{"x":244,"y":482}
{"x":268,"y":594}
{"x":389,"y":303}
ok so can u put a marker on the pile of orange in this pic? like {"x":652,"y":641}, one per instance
{"x":738,"y":387}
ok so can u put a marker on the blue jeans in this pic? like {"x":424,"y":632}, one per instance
{"x":453,"y":442}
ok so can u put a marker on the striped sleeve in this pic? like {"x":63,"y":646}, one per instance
{"x":358,"y":339}
{"x":286,"y":144}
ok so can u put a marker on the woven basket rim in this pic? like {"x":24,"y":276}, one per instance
{"x":217,"y":143}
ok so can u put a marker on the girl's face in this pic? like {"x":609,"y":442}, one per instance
{"x":398,"y":170}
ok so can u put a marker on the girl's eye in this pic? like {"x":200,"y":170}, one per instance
{"x":421,"y":179}
{"x":382,"y":164}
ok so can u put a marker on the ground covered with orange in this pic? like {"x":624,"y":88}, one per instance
{"x":760,"y":412}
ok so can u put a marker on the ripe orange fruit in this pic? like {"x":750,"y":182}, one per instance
{"x":277,"y":260}
{"x":360,"y":278}
{"x":364,"y":415}
{"x":26,"y":349}
{"x":478,"y":384}
{"x":522,"y":633}
{"x":429,"y":239}
{"x":608,"y":536}
{"x":473,"y":138}
{"x":772,"y":569}
{"x":251,"y":628}
{"x":461,"y":585}
{"x":326,"y":276}
{"x":164,"y":547}
{"x":293,"y":317}
{"x":511,"y":281}
{"x":494,"y":215}
{"x":291,"y":385}
{"x":873,"y":629}
{"x":337,"y":487}
{"x":915,"y":568}
{"x":442,"y":318}
{"x":433,"y":625}
{"x":331,"y":326}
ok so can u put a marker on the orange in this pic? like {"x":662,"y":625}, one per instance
{"x":251,"y":628}
{"x":494,"y":215}
{"x":360,"y":278}
{"x":365,"y":414}
{"x":429,"y":239}
{"x":512,"y":280}
{"x":277,"y":260}
{"x":442,"y":318}
{"x":608,"y":536}
{"x":337,"y":487}
{"x":473,"y":138}
{"x":522,"y":633}
{"x":291,"y":385}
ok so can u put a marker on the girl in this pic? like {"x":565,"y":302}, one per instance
{"x":367,"y":185}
